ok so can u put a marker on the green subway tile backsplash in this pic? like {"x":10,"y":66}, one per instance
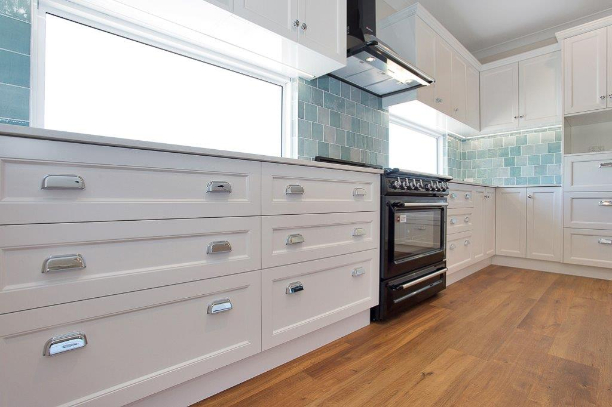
{"x":530,"y":157}
{"x":337,"y":120}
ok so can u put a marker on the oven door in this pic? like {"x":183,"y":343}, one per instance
{"x":415,"y":235}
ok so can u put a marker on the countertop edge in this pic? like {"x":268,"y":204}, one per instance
{"x":55,"y":135}
{"x":476,"y":184}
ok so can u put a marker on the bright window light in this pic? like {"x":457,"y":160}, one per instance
{"x":411,"y":150}
{"x":104,"y":84}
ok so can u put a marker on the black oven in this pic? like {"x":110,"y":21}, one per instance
{"x":413,"y":240}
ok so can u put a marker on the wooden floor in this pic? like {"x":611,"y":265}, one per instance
{"x":501,"y":337}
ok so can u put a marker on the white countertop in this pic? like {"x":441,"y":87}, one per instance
{"x":43,"y":134}
{"x":478,"y":184}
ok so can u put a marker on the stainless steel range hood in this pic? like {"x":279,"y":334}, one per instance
{"x":376,"y":68}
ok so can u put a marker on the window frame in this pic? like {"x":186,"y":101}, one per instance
{"x":438,"y":136}
{"x":122,"y":27}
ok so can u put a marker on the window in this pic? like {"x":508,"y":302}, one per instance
{"x":99,"y":83}
{"x":412,"y":150}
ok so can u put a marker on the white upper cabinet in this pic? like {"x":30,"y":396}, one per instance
{"x":443,"y":76}
{"x":459,"y":88}
{"x":540,"y":90}
{"x":585,"y":68}
{"x":279,"y":16}
{"x":425,"y":39}
{"x":473,"y":98}
{"x":499,"y":90}
{"x":323,"y":26}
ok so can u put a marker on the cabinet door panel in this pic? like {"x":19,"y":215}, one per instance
{"x":443,"y":75}
{"x":544,"y":224}
{"x":499,"y":98}
{"x":425,"y":57}
{"x":511,"y":215}
{"x":585,"y":72}
{"x":459,"y":88}
{"x":609,"y":78}
{"x":473,"y":98}
{"x":540,"y":90}
{"x":323,"y":27}
{"x":275,"y":15}
{"x":478,"y":234}
{"x":489,"y":222}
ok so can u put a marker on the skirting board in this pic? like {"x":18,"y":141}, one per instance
{"x":463,"y":273}
{"x":215,"y":382}
{"x":554,"y":267}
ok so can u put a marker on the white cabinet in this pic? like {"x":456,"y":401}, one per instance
{"x":425,"y":39}
{"x":511,"y":215}
{"x":489,"y":221}
{"x":544,"y":224}
{"x":540,"y":90}
{"x":523,"y":94}
{"x":459,"y":88}
{"x":320,"y":25}
{"x":530,"y":223}
{"x":585,"y":68}
{"x":443,"y":76}
{"x":472,"y":118}
{"x":225,"y":4}
{"x":479,"y":217}
{"x":499,"y":90}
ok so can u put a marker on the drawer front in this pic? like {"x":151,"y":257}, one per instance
{"x":586,"y":173}
{"x":459,"y":220}
{"x":459,"y":251}
{"x":293,"y":189}
{"x":588,"y":210}
{"x":588,"y":247}
{"x":109,"y":184}
{"x":304,"y":297}
{"x":137,"y":343}
{"x":293,"y":239}
{"x":43,"y":265}
{"x":460,"y":197}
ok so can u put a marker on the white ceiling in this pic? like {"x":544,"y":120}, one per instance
{"x":489,"y":27}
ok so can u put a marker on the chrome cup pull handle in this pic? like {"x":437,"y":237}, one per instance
{"x":63,"y":182}
{"x":65,"y":343}
{"x":294,"y":287}
{"x":222,"y":246}
{"x":294,"y":239}
{"x":359,"y":271}
{"x":219,"y":306}
{"x":359,"y":232}
{"x":294,"y":190}
{"x":605,"y":203}
{"x":64,"y":262}
{"x":605,"y":165}
{"x":219,"y":186}
{"x":605,"y":241}
{"x":359,"y":192}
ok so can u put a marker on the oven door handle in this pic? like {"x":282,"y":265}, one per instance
{"x":418,"y":205}
{"x":420,"y":280}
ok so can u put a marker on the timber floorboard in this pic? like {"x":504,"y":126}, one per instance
{"x":500,"y":337}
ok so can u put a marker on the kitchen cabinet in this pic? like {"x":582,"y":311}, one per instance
{"x":530,"y":223}
{"x":443,"y":75}
{"x":489,"y":221}
{"x":499,"y":90}
{"x":225,"y":4}
{"x":586,"y":69}
{"x":459,"y":88}
{"x":319,"y":25}
{"x":544,"y":224}
{"x":540,"y":91}
{"x":472,"y":118}
{"x":479,"y":218}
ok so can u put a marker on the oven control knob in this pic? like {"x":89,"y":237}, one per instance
{"x":419,"y":184}
{"x":406,"y":184}
{"x":429,"y":186}
{"x":396,"y":184}
{"x":412,"y":185}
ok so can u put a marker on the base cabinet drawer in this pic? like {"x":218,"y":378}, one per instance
{"x":458,"y":251}
{"x":588,"y":210}
{"x":460,"y":220}
{"x":115,"y":350}
{"x":48,"y":181}
{"x":588,"y":172}
{"x":460,"y":196}
{"x":588,"y":247}
{"x":43,"y":265}
{"x":293,"y":239}
{"x":293,"y":189}
{"x":302,"y":298}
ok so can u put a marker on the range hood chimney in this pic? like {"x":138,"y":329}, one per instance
{"x":371,"y":65}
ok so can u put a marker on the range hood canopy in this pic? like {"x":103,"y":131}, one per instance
{"x":371,"y":64}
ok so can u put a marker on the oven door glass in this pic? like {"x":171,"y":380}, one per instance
{"x":417,"y":232}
